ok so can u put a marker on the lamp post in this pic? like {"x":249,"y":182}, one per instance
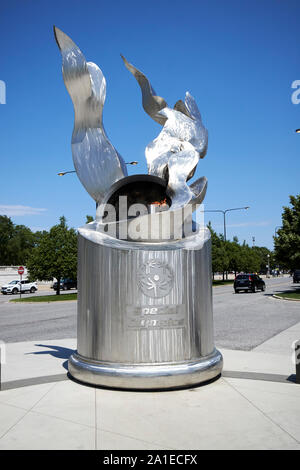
{"x":224,"y":212}
{"x":224,"y":215}
{"x":268,"y":272}
{"x":63,"y":173}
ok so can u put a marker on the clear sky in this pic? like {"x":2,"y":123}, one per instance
{"x":238,"y":58}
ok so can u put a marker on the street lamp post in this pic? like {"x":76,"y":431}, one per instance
{"x":268,"y":272}
{"x":224,"y":215}
{"x":63,"y":173}
{"x":224,"y":212}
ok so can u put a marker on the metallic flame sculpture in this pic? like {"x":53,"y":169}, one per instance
{"x":144,"y":310}
{"x":97,"y":162}
{"x":173,"y":155}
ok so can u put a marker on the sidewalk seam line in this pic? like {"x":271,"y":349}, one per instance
{"x":91,"y":426}
{"x":28,"y":411}
{"x":137,"y":439}
{"x":263,"y":413}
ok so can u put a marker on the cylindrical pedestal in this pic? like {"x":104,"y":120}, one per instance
{"x":144,"y":313}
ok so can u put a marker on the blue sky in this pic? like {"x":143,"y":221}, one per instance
{"x":238,"y":58}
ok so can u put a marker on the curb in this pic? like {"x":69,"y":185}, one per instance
{"x":285,"y":298}
{"x":47,"y":302}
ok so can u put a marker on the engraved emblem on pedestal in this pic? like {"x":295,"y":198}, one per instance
{"x":155,"y":279}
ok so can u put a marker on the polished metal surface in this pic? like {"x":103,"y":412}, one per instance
{"x":175,"y":153}
{"x":146,"y":377}
{"x":165,"y":223}
{"x":198,"y":188}
{"x":144,"y":313}
{"x":152,"y":103}
{"x":97,"y":162}
{"x":144,"y":303}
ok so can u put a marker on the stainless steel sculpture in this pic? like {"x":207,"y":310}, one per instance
{"x":97,"y":163}
{"x":144,"y":280}
{"x":174,"y":154}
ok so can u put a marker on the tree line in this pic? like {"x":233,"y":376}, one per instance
{"x":46,"y":254}
{"x":16,"y":242}
{"x":231,"y":256}
{"x":53,"y":254}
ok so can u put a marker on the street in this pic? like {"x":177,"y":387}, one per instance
{"x":245,"y":320}
{"x":241,"y":321}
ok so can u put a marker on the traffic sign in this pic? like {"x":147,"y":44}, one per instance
{"x":21,"y":270}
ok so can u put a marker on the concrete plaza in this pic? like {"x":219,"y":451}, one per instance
{"x":254,"y":405}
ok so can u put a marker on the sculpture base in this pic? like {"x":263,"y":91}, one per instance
{"x":146,"y":376}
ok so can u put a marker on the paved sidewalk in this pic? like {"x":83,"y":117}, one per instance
{"x":53,"y":412}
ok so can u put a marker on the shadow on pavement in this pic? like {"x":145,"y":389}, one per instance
{"x":56,"y":351}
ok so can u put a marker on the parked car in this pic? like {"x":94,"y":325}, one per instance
{"x":296,"y":275}
{"x":14,"y":287}
{"x":248,"y":282}
{"x":66,"y":284}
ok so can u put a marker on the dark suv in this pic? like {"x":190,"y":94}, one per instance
{"x":248,"y":282}
{"x":65,"y":284}
{"x":296,"y":275}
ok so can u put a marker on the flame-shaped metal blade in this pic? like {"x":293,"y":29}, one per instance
{"x":152,"y":103}
{"x":97,"y":162}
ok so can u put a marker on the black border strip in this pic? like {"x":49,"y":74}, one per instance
{"x":226,"y":374}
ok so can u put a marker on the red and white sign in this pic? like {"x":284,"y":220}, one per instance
{"x":21,"y":270}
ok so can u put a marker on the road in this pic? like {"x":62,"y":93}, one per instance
{"x":245,"y":320}
{"x":242,"y":321}
{"x":34,"y":321}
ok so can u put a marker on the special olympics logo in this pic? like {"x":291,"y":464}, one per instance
{"x":155,"y":278}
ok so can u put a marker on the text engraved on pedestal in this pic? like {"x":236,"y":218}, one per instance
{"x":155,"y":317}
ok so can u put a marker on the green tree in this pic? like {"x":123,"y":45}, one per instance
{"x":287,"y":240}
{"x":16,"y":242}
{"x":263,"y":253}
{"x":55,"y":254}
{"x":6,"y":234}
{"x":249,"y":260}
{"x":235,"y":255}
{"x":232,"y":256}
{"x":219,"y":255}
{"x":21,"y":244}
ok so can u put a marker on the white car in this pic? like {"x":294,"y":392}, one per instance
{"x":14,"y":287}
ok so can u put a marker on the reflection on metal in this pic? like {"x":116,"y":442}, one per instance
{"x":174,"y":154}
{"x":152,"y":103}
{"x":132,"y":337}
{"x":97,"y":162}
{"x":144,"y":274}
{"x":198,"y":188}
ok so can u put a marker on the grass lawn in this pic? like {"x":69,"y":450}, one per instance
{"x":47,"y":298}
{"x":290,"y":294}
{"x":61,"y":297}
{"x":223,"y":283}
